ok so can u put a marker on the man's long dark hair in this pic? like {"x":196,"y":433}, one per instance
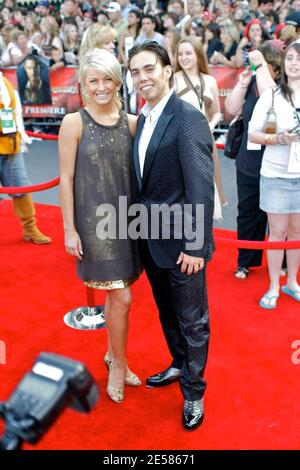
{"x":160,"y":52}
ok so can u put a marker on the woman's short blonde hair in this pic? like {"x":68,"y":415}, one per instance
{"x":104,"y":62}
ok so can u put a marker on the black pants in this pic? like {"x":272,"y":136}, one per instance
{"x":183,"y":311}
{"x":251,"y":220}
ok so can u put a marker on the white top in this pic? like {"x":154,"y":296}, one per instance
{"x":157,"y":37}
{"x":152,"y":116}
{"x":190,"y":96}
{"x":276,"y":157}
{"x":5,"y":98}
{"x":5,"y":56}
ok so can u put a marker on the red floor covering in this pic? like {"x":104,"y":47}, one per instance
{"x":252,"y":399}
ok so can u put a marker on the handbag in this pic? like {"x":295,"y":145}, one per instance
{"x":234,"y":137}
{"x":270,"y":126}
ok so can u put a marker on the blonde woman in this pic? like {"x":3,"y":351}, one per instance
{"x":194,"y":84}
{"x":50,"y":35}
{"x":31,"y":25}
{"x":230,"y":38}
{"x":97,"y":36}
{"x":96,"y":168}
{"x":71,"y":43}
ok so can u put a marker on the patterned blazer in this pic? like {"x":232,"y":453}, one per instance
{"x":178,"y":170}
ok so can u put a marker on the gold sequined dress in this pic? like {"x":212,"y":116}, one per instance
{"x":103,"y":173}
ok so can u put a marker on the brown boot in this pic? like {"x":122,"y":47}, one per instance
{"x":25,"y":211}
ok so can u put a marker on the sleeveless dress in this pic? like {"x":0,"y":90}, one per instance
{"x":103,"y":173}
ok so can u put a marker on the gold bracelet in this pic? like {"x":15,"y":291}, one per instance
{"x":279,"y":141}
{"x":269,"y":139}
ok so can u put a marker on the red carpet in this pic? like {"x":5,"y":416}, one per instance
{"x":252,"y":399}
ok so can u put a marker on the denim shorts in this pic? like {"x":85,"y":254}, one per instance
{"x":280,"y":195}
{"x":13,"y":171}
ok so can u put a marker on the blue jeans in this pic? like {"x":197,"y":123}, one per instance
{"x":13,"y":171}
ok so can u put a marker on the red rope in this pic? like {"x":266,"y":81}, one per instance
{"x":42,"y":136}
{"x":256,"y":245}
{"x":295,"y":244}
{"x":29,"y":189}
{"x":36,"y":187}
{"x":55,"y":137}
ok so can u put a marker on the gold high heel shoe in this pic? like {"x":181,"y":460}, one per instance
{"x":131,"y":379}
{"x":107,"y":360}
{"x":114,"y":393}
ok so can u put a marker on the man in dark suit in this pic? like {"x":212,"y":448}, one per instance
{"x":174,"y":168}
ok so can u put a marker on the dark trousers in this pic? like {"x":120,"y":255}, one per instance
{"x":251,"y":220}
{"x":183,"y":312}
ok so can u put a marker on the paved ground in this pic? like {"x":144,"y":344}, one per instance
{"x":42,"y":165}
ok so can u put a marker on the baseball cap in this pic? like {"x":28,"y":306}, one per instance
{"x":113,"y":7}
{"x":43,"y":3}
{"x":293,"y":19}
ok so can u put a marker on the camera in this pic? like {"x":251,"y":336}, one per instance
{"x":53,"y":383}
{"x":296,"y":130}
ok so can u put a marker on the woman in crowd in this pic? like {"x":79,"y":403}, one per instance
{"x":229,"y":38}
{"x":212,"y":40}
{"x":280,"y":173}
{"x":172,"y":38}
{"x":194,"y":84}
{"x":95,"y":147}
{"x":97,"y":36}
{"x":71,"y":44}
{"x":31,"y":26}
{"x":12,"y":166}
{"x":253,"y":39}
{"x":251,"y":220}
{"x":7,"y":46}
{"x":21,"y":47}
{"x":50,"y":35}
{"x":129,"y":35}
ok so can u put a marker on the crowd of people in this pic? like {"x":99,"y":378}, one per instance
{"x":227,"y":29}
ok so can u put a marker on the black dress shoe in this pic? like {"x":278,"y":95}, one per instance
{"x":166,"y":377}
{"x":193,"y":414}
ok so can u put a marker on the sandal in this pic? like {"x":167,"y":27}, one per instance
{"x":241,"y":273}
{"x":271,"y":301}
{"x":295,"y":294}
{"x":116,"y":394}
{"x":131,"y":379}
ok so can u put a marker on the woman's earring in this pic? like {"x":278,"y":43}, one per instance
{"x":86,"y":97}
{"x":118,"y":99}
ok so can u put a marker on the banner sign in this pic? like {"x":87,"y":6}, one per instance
{"x":226,"y":79}
{"x":65,"y":97}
